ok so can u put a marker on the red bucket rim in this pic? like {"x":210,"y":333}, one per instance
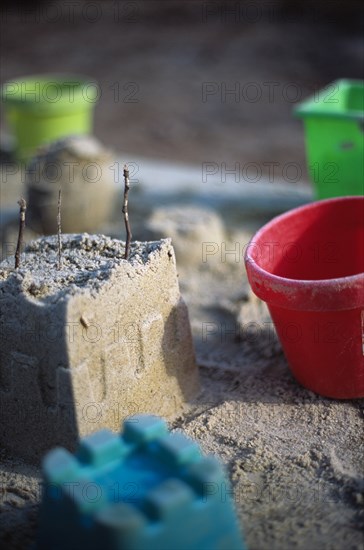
{"x":304,"y":294}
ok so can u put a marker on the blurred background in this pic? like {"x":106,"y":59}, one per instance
{"x":153,"y":60}
{"x":196,"y":96}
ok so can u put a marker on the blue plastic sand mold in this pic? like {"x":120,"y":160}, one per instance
{"x":147,"y":489}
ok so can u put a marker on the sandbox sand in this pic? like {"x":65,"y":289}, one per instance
{"x":295,"y":459}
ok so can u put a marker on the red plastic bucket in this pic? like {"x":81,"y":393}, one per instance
{"x":308,"y":265}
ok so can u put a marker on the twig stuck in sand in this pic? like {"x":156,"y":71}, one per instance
{"x":125,"y":212}
{"x":23,"y":206}
{"x":59,"y":229}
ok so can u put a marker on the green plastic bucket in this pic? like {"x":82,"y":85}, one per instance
{"x":334,"y":135}
{"x":41,"y":109}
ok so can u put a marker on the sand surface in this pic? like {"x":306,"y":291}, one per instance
{"x":295,"y":459}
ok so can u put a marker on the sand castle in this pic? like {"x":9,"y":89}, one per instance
{"x":194,"y":231}
{"x":89,"y":344}
{"x":85,"y":171}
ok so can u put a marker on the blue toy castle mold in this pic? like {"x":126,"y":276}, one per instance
{"x":147,"y":489}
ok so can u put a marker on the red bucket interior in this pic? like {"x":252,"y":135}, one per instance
{"x":323,"y":241}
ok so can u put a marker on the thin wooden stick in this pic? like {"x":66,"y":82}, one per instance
{"x":23,"y":206}
{"x":59,"y":229}
{"x":125,"y":212}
